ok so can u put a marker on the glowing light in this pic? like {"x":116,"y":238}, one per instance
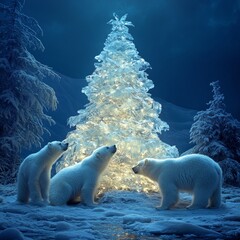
{"x":120,"y":111}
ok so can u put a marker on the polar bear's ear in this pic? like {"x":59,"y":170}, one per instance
{"x":146,"y":161}
{"x":50,"y":145}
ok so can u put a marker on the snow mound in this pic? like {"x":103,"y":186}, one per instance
{"x":119,"y":215}
{"x":174,"y":228}
{"x":132,"y":218}
{"x":11,"y":234}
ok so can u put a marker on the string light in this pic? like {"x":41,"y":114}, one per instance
{"x":120,"y":111}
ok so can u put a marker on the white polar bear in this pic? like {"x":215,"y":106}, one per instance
{"x":80,"y":180}
{"x":34,"y":173}
{"x":194,"y":173}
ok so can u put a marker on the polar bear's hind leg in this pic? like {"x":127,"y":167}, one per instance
{"x":215,"y":200}
{"x":22,"y":191}
{"x":216,"y":197}
{"x":61,"y":195}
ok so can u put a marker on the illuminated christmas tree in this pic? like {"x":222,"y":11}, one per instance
{"x":120,"y":111}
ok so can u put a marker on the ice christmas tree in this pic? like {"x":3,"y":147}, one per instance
{"x":120,"y":111}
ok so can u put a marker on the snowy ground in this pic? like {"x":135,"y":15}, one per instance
{"x":120,"y":215}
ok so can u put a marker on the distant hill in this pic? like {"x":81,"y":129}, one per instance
{"x":180,"y":121}
{"x":71,"y":99}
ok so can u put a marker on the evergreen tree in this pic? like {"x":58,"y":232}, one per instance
{"x":214,"y":131}
{"x":23,"y":94}
{"x":120,"y":111}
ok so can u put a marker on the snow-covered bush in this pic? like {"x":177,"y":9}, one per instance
{"x":215,"y":132}
{"x":23,"y":95}
{"x":231,"y":172}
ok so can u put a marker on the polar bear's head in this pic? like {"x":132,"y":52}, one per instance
{"x":105,"y":152}
{"x":102,"y":155}
{"x":141,"y":166}
{"x":148,"y":167}
{"x":56,"y":148}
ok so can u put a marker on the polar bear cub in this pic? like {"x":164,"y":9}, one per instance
{"x":194,"y":173}
{"x":80,"y":180}
{"x":33,"y":178}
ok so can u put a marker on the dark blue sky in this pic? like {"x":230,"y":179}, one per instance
{"x":189,"y":43}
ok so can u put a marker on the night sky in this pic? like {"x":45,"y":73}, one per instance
{"x":189,"y":43}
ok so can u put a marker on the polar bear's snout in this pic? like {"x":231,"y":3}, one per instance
{"x":114,"y":148}
{"x":64,"y":146}
{"x":140,"y":166}
{"x":135,"y":169}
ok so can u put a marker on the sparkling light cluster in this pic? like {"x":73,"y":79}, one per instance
{"x":120,"y":111}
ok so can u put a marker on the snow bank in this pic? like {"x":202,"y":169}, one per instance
{"x":11,"y":234}
{"x":133,"y":218}
{"x":119,"y":215}
{"x":173,"y":228}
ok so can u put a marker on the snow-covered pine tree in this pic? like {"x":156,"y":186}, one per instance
{"x":120,"y":111}
{"x":23,"y":94}
{"x":214,"y":131}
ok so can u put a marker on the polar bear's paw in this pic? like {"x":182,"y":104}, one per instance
{"x":39,"y":203}
{"x":91,"y":205}
{"x":196,"y":206}
{"x":160,"y":208}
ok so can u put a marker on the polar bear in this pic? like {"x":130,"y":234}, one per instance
{"x":33,"y":178}
{"x":80,"y":180}
{"x":194,"y":173}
